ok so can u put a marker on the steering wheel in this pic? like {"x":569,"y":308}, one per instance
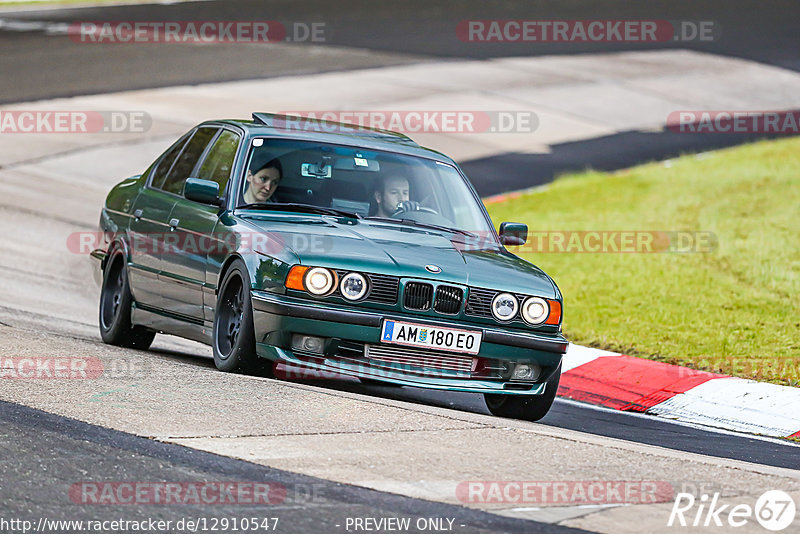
{"x":411,"y":205}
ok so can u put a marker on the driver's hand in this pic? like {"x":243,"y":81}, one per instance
{"x":407,"y":205}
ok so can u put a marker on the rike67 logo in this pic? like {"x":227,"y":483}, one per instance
{"x":774,"y":510}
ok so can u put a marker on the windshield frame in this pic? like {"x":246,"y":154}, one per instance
{"x":237,"y":196}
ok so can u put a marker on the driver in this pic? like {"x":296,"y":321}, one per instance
{"x":392,"y":195}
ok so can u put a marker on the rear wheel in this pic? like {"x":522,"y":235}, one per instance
{"x":234,"y":343}
{"x":115,"y":309}
{"x":526,"y":407}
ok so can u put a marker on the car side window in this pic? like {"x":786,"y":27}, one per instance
{"x":186,"y":162}
{"x":166,"y":162}
{"x":218,"y":162}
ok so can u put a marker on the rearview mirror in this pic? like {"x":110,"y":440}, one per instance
{"x":203,"y":191}
{"x":513,"y":234}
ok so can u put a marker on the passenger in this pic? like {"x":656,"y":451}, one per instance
{"x":262,"y":184}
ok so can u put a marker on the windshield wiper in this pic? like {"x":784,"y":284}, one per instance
{"x":304,"y":208}
{"x":412,"y":222}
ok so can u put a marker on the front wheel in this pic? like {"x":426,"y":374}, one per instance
{"x":115,"y":309}
{"x":234,"y":343}
{"x":525,"y":407}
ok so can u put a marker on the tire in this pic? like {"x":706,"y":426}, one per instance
{"x":525,"y":407}
{"x":234,"y":343}
{"x":115,"y":309}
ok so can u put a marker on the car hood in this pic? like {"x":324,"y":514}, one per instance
{"x":400,"y":250}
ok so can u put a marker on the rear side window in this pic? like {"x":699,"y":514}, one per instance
{"x":187,"y":161}
{"x":219,"y":160}
{"x":166,"y":162}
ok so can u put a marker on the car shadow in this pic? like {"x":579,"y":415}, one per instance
{"x":451,"y":400}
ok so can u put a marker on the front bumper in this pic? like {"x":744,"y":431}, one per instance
{"x":278,"y":317}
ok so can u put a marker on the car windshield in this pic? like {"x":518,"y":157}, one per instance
{"x":373,"y":186}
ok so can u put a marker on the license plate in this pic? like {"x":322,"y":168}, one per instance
{"x":431,"y":337}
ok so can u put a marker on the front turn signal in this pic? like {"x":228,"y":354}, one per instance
{"x":295,"y":278}
{"x":555,"y":312}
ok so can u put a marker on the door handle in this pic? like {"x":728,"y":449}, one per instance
{"x":173,"y":223}
{"x":138,"y":214}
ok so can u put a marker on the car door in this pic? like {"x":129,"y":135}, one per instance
{"x":183,"y":263}
{"x":217,"y":167}
{"x":196,"y":223}
{"x":147,"y":228}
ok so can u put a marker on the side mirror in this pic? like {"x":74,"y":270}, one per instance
{"x":513,"y":234}
{"x":203,"y":191}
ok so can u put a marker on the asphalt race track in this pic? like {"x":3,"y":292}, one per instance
{"x":614,"y":424}
{"x":71,"y":448}
{"x":367,"y":451}
{"x":361,"y":34}
{"x":413,"y":31}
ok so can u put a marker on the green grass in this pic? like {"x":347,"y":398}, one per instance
{"x":735,"y":310}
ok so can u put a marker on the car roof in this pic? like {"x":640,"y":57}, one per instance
{"x":308,"y":129}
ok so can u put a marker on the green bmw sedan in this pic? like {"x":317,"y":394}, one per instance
{"x":333,"y":248}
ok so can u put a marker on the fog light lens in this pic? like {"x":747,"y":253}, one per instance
{"x":308,"y":343}
{"x":526,"y":371}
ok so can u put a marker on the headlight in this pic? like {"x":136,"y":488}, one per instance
{"x":319,"y":281}
{"x":535,"y":310}
{"x":504,"y":306}
{"x":353,"y":286}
